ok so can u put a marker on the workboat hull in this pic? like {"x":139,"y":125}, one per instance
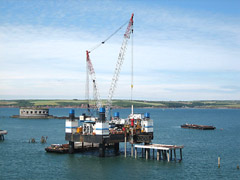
{"x":195,"y":126}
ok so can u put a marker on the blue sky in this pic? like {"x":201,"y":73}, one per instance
{"x":183,"y":49}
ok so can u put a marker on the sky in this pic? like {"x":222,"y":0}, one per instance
{"x":182,"y":49}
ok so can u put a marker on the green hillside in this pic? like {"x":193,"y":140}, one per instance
{"x":122,"y":103}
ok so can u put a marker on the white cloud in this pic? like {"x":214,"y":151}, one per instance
{"x":52,"y":60}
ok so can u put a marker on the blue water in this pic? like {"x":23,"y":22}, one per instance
{"x":22,"y":160}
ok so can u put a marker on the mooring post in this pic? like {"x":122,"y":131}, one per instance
{"x":219,"y":162}
{"x":168,"y":159}
{"x":158,"y":155}
{"x":175,"y":157}
{"x":180,"y":153}
{"x":135,"y":153}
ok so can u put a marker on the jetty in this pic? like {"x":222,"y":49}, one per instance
{"x":164,"y":152}
{"x":2,"y":133}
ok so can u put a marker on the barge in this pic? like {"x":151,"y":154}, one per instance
{"x":195,"y":126}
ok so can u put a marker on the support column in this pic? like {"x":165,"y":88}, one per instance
{"x":164,"y":154}
{"x":175,"y":157}
{"x":168,"y":159}
{"x":158,"y":155}
{"x":171,"y":154}
{"x":160,"y":152}
{"x":71,"y":147}
{"x":125,"y":147}
{"x":135,"y":153}
{"x":116,"y":148}
{"x":147,"y":153}
{"x":102,"y":150}
{"x":142,"y":152}
{"x":153,"y":153}
{"x":131,"y":150}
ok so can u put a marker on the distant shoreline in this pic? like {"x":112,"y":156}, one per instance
{"x":124,"y":104}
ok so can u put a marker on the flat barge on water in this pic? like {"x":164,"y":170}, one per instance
{"x":195,"y":126}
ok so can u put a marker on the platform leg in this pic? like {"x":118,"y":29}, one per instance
{"x":153,"y":152}
{"x":116,"y":148}
{"x":135,"y":153}
{"x":131,"y":150}
{"x":147,"y":153}
{"x":102,"y":150}
{"x":71,"y":147}
{"x":125,"y":147}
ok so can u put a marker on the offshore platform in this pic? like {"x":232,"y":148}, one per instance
{"x":102,"y":129}
{"x":137,"y":128}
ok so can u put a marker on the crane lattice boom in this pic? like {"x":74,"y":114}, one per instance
{"x":121,"y":56}
{"x":93,"y":77}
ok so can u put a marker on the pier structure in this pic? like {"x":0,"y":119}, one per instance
{"x":164,"y":152}
{"x":2,"y":133}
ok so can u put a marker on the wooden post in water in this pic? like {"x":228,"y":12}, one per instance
{"x":158,"y":152}
{"x":135,"y":153}
{"x":219,"y":162}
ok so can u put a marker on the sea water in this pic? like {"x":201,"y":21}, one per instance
{"x":20,"y":159}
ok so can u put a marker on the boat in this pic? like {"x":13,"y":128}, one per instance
{"x":58,"y":148}
{"x":195,"y":126}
